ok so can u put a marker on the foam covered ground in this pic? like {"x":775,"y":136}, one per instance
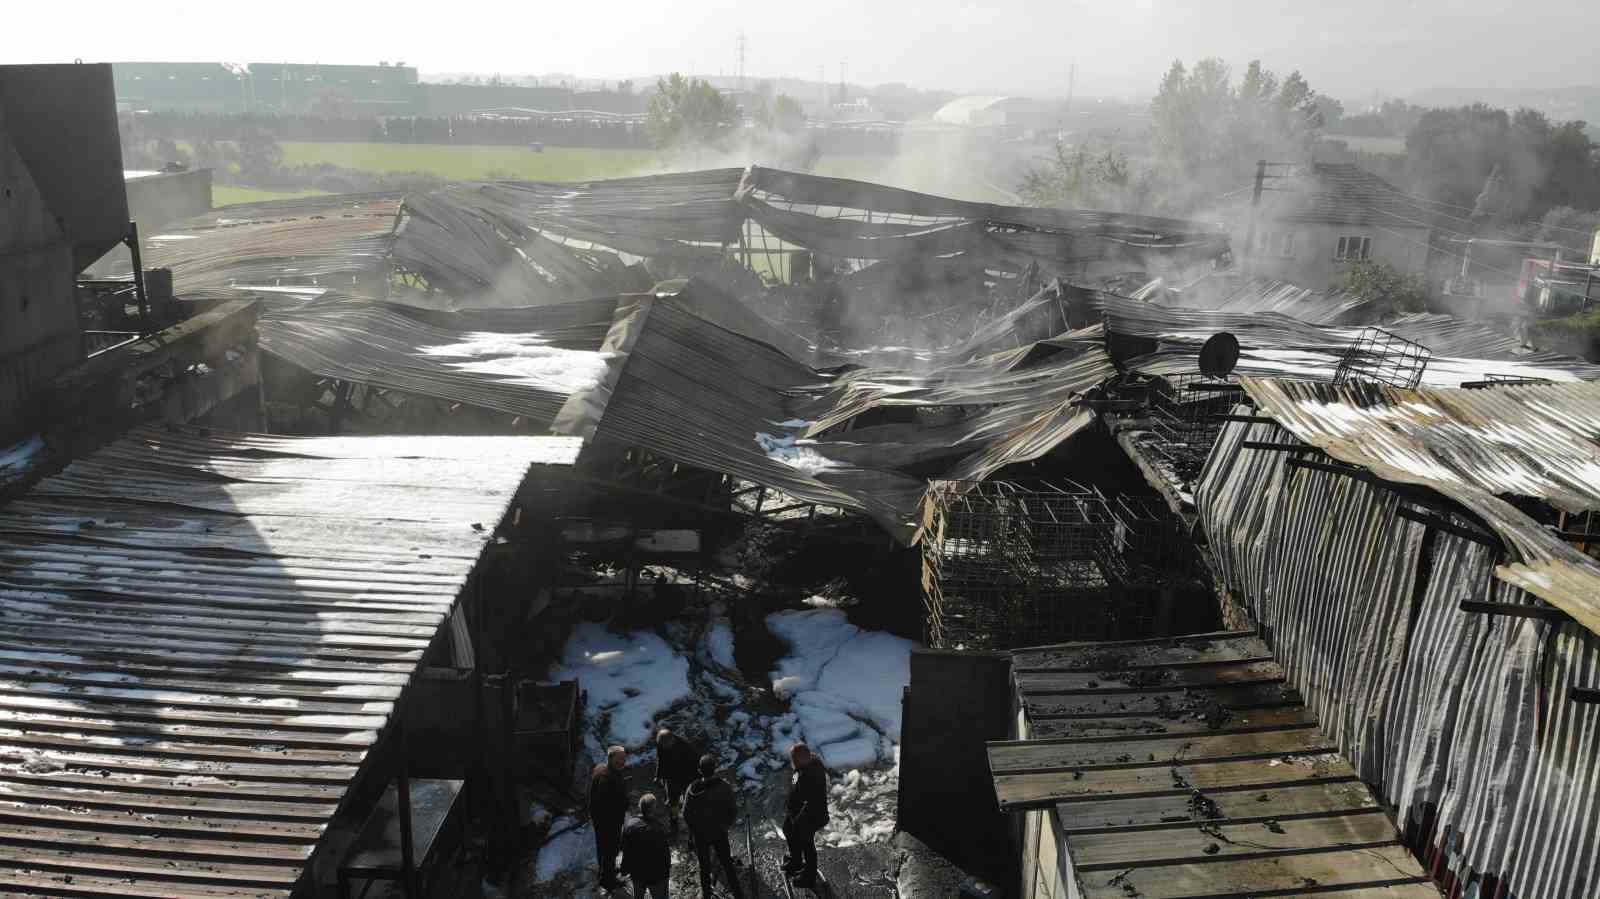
{"x":837,"y":687}
{"x":843,"y":684}
{"x":630,"y":680}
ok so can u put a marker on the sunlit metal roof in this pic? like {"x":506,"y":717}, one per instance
{"x":202,"y":635}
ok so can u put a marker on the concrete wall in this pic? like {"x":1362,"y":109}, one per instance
{"x":63,"y":125}
{"x":957,"y":702}
{"x":39,"y":334}
{"x":1311,"y":261}
{"x":155,"y":201}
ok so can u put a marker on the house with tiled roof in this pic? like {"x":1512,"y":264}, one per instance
{"x":1315,"y":221}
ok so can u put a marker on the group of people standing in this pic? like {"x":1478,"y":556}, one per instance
{"x":708,"y":808}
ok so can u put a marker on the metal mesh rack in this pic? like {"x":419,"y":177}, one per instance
{"x":1005,"y":565}
{"x":1384,"y":358}
{"x":1499,"y":380}
{"x":1151,"y":545}
{"x":1185,"y":412}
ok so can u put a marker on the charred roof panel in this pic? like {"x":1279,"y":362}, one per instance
{"x":203,"y":635}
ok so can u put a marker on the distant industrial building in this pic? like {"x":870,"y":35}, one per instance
{"x":265,"y":86}
{"x":334,"y":90}
{"x":1019,"y":114}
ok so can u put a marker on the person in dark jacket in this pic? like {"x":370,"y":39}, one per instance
{"x":608,"y":805}
{"x":677,"y":764}
{"x":807,"y":813}
{"x":646,"y":857}
{"x":709,"y":810}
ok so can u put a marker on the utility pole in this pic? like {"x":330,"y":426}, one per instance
{"x":1285,"y":170}
{"x":741,"y":60}
{"x":1250,"y":231}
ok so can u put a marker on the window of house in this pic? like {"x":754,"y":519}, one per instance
{"x":1275,"y":243}
{"x":1353,"y":249}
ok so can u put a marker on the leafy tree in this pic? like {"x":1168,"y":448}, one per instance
{"x":1332,"y":112}
{"x":1078,"y":176}
{"x":788,"y":115}
{"x":689,"y":112}
{"x":167,"y":151}
{"x":1572,"y":228}
{"x":1207,"y":134}
{"x":1520,"y":164}
{"x":259,"y":155}
{"x":207,"y":155}
{"x":1380,"y":283}
{"x":1571,"y":163}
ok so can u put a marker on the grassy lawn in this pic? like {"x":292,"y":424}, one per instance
{"x":471,"y":163}
{"x":228,"y":195}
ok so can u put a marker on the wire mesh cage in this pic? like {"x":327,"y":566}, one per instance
{"x":1186,"y":413}
{"x":1007,"y":565}
{"x":1380,"y":357}
{"x":1151,"y":545}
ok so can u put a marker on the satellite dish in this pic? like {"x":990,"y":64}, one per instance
{"x":1219,"y":355}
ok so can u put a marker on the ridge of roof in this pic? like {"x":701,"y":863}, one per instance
{"x":1344,"y":193}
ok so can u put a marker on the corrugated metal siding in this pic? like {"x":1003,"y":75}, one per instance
{"x":1475,"y":446}
{"x":201,"y":636}
{"x":1460,"y":720}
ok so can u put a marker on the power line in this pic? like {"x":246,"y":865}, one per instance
{"x":1431,"y":248}
{"x":1416,"y":201}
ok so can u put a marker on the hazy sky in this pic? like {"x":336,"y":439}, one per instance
{"x":1349,"y":49}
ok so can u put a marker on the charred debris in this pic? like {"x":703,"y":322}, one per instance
{"x":999,"y":429}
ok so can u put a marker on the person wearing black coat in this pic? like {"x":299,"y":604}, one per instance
{"x":608,"y":805}
{"x":677,"y":764}
{"x":709,"y":809}
{"x":807,"y":813}
{"x":646,"y":857}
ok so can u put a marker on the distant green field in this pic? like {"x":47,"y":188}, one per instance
{"x":227,"y":195}
{"x":474,"y":163}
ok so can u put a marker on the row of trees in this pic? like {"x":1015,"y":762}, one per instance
{"x":1497,"y":169}
{"x":689,"y":120}
{"x":1476,"y":170}
{"x":1206,"y":133}
{"x":687,"y":112}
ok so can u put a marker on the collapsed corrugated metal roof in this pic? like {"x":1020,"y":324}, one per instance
{"x":340,"y":242}
{"x":681,"y":374}
{"x":710,"y":397}
{"x":1167,"y":341}
{"x":1474,"y":446}
{"x":521,"y":243}
{"x":202,"y":635}
{"x":524,"y":361}
{"x":1226,"y":292}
